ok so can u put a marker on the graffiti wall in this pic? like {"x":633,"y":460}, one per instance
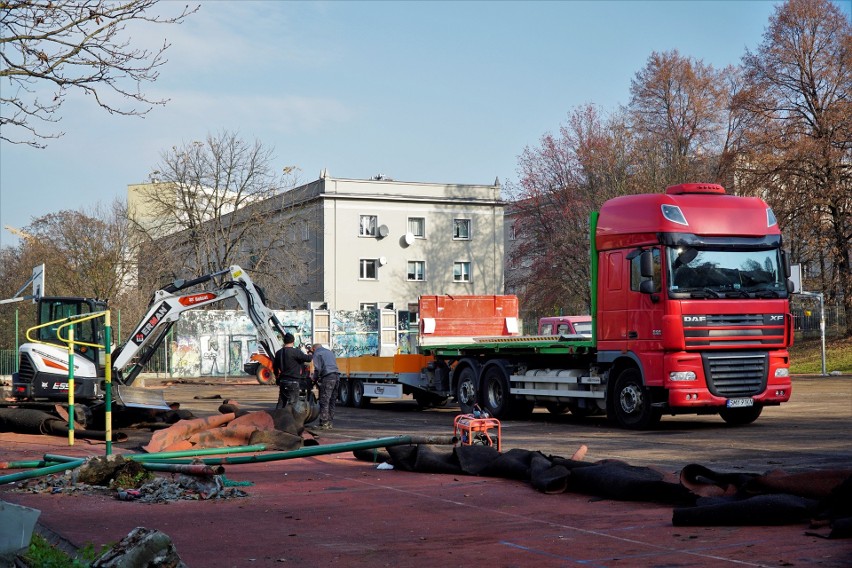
{"x":208,"y":343}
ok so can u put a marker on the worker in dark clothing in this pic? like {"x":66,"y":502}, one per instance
{"x":289,"y":367}
{"x":327,"y":375}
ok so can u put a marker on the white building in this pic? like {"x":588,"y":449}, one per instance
{"x":379,"y":242}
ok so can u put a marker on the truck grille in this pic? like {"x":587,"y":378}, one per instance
{"x":733,"y":374}
{"x":734,"y":330}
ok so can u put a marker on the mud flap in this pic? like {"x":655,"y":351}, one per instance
{"x":138,"y":397}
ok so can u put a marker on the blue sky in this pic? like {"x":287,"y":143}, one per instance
{"x":418,"y":91}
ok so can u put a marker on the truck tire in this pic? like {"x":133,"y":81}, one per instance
{"x":496,"y":399}
{"x":740,"y":416}
{"x":466,"y":390}
{"x":344,"y":393}
{"x":631,"y":402}
{"x":358,"y":398}
{"x":264,"y":376}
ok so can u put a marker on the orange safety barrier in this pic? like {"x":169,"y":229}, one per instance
{"x":469,"y":430}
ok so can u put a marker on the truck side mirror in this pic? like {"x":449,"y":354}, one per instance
{"x":785,"y":261}
{"x":647,"y":287}
{"x":646,"y":264}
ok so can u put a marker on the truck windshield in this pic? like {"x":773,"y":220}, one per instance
{"x":705,"y":273}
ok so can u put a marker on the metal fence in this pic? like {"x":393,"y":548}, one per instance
{"x":8,"y":361}
{"x":159,"y":362}
{"x":806,"y":321}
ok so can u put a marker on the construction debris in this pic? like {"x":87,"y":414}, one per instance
{"x":142,"y":548}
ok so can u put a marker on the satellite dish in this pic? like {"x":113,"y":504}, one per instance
{"x":409,"y":238}
{"x":383,"y":231}
{"x":383,"y":261}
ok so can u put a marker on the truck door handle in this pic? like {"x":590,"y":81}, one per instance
{"x":632,"y":335}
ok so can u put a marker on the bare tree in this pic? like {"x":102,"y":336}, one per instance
{"x":561,"y":182}
{"x":797,"y":109}
{"x":85,"y":255}
{"x":677,"y":109}
{"x":49,"y":47}
{"x":219,"y":202}
{"x":84,"y":251}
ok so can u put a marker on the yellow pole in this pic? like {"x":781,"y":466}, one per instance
{"x":71,"y":386}
{"x":108,"y":380}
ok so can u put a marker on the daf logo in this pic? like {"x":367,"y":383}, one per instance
{"x":694,"y":319}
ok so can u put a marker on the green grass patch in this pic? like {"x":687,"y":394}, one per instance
{"x":806,"y":356}
{"x":42,"y":554}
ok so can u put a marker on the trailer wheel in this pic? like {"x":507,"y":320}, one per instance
{"x":631,"y":402}
{"x":358,"y":398}
{"x":344,"y":393}
{"x":740,"y":416}
{"x":466,"y":390}
{"x":495,"y":392}
{"x":264,"y":375}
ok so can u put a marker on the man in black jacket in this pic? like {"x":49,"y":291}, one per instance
{"x":289,"y":367}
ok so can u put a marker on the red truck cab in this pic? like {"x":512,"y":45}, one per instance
{"x":691,"y":304}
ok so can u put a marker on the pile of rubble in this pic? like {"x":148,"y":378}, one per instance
{"x":128,"y":481}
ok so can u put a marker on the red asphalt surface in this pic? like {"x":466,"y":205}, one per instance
{"x":339,"y":511}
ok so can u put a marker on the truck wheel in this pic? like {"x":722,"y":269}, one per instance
{"x":740,"y":416}
{"x":358,"y":398}
{"x":466,"y":390}
{"x":631,"y":402}
{"x":495,"y":393}
{"x":344,"y":393}
{"x":264,"y":376}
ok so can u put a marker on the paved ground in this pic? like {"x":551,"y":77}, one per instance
{"x":335,"y":510}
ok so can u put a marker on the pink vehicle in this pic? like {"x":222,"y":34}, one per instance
{"x":565,"y":325}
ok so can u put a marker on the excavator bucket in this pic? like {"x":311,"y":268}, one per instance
{"x":138,"y":397}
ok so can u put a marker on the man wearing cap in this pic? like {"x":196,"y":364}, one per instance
{"x":289,"y":367}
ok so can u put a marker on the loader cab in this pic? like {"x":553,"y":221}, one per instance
{"x":57,"y":309}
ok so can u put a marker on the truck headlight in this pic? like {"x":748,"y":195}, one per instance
{"x":682,"y":376}
{"x":782,"y":372}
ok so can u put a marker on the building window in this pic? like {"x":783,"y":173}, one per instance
{"x":417,"y":270}
{"x":417,"y":227}
{"x":513,"y":233}
{"x":368,"y":306}
{"x":461,"y":229}
{"x":461,"y":272}
{"x":368,"y":269}
{"x":306,"y":233}
{"x":367,"y":227}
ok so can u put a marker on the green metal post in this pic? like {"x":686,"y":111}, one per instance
{"x":593,"y":273}
{"x":108,"y":380}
